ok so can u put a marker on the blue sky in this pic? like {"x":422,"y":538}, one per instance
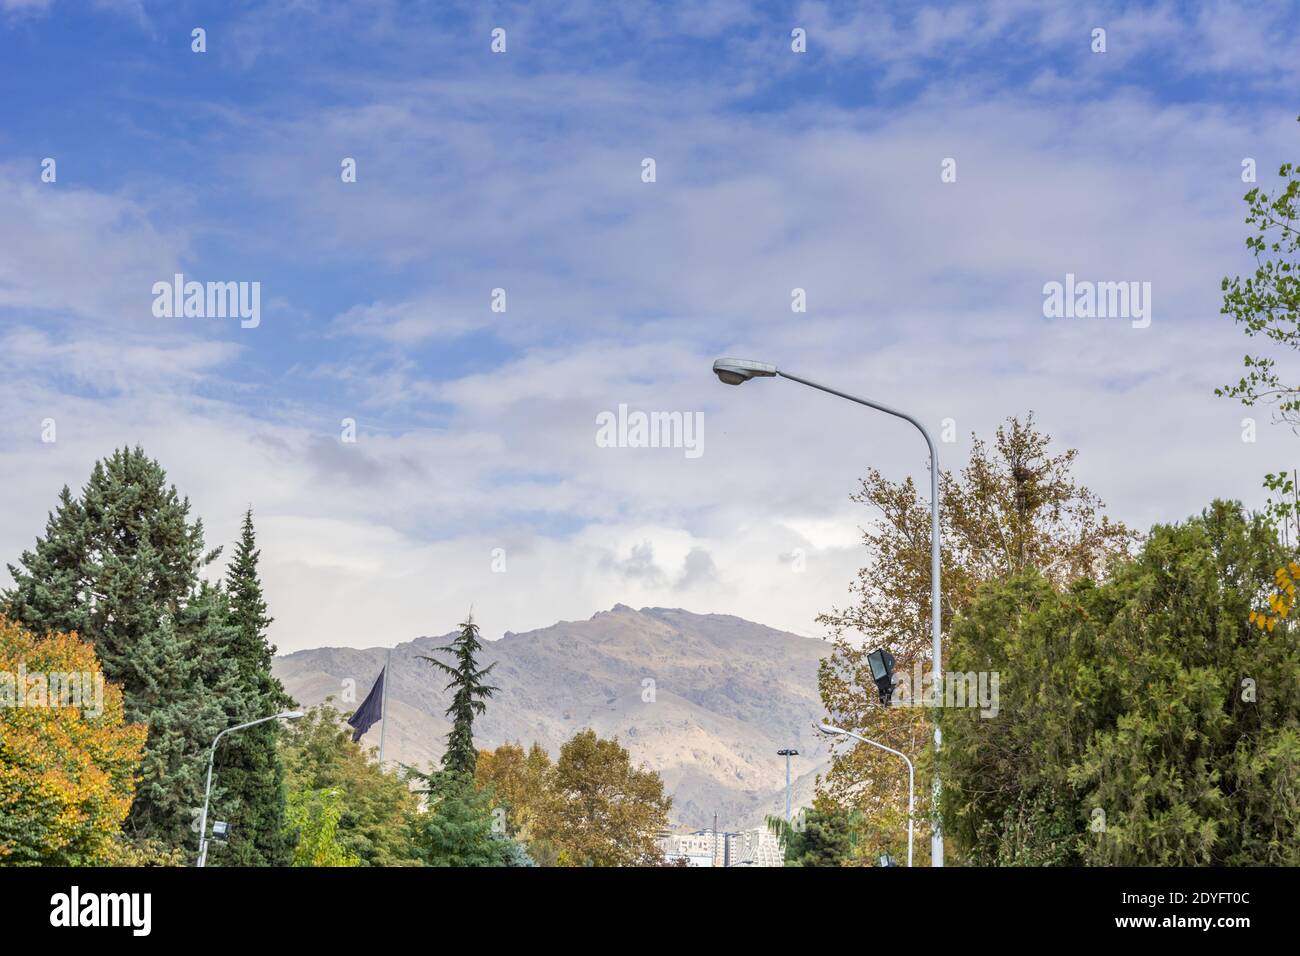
{"x":522,"y":171}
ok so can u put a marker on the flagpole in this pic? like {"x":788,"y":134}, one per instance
{"x":383,"y":713}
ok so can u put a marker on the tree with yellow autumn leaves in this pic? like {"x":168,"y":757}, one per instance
{"x":592,"y":807}
{"x":67,"y":773}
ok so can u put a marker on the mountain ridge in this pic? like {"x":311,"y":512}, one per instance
{"x":704,"y":699}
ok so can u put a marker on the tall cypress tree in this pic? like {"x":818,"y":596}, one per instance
{"x":469,"y":700}
{"x":120,"y":566}
{"x":249,"y":770}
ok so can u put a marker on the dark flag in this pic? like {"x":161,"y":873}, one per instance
{"x":371,"y":709}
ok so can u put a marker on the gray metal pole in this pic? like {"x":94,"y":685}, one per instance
{"x":787,"y":787}
{"x":383,"y":712}
{"x":936,"y":611}
{"x":203,"y":817}
{"x":207,"y":790}
{"x":787,"y":753}
{"x":911,"y":778}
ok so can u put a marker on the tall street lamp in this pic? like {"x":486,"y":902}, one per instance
{"x":787,"y":753}
{"x":738,"y":371}
{"x":212,"y":754}
{"x":911,"y":777}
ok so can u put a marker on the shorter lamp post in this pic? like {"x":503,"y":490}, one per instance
{"x":911,"y":776}
{"x":787,"y":753}
{"x":212,"y":754}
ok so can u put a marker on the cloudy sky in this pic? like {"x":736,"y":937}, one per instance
{"x":476,"y":478}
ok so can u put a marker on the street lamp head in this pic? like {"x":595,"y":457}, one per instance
{"x":733,"y":371}
{"x":882,"y":672}
{"x":787,"y":752}
{"x":881,"y":662}
{"x":290,"y":715}
{"x":828,"y":729}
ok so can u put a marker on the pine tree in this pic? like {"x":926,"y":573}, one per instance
{"x":248,"y":765}
{"x":193,"y":697}
{"x":469,"y":700}
{"x":120,"y":566}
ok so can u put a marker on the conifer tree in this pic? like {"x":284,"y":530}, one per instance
{"x":119,"y":565}
{"x":248,"y":765}
{"x":469,"y":700}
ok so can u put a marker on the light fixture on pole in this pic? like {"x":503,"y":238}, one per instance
{"x":732,"y":371}
{"x":881,"y":663}
{"x":911,"y":777}
{"x":787,"y":753}
{"x":207,"y":792}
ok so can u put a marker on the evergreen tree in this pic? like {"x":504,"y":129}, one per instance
{"x":248,"y":765}
{"x":824,"y":837}
{"x":120,"y":565}
{"x":192,"y":696}
{"x":459,"y":828}
{"x":469,"y":700}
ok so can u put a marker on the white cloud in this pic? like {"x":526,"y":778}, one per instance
{"x":921,"y":294}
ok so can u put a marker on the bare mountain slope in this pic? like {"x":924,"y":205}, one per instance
{"x":704,"y":699}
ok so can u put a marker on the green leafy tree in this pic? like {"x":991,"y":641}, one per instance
{"x":1266,"y":304}
{"x":119,"y":565}
{"x":469,"y":699}
{"x":315,"y":815}
{"x":376,"y":808}
{"x":248,"y":764}
{"x":1142,"y":721}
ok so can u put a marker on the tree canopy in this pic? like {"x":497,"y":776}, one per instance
{"x":1015,"y":505}
{"x":67,"y":773}
{"x":375,"y":807}
{"x":119,"y":565}
{"x":1144,"y":720}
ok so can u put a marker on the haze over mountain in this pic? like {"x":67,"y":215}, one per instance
{"x":704,"y":699}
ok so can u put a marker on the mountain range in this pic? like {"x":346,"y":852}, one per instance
{"x":706,"y":700}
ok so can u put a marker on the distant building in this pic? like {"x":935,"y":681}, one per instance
{"x":697,"y":848}
{"x":756,"y":847}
